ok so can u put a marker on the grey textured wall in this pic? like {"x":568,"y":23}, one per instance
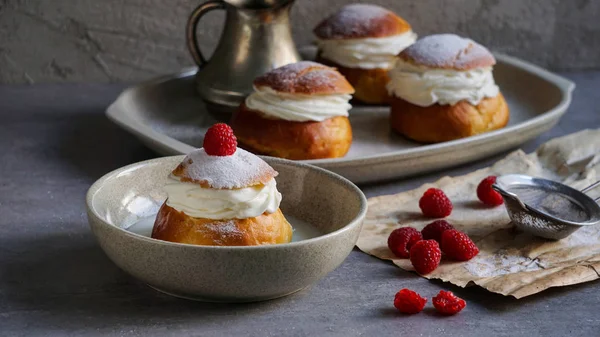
{"x":131,"y":40}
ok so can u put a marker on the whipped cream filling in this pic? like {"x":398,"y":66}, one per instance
{"x":222,"y":204}
{"x":366,"y":53}
{"x":298,"y":107}
{"x":425,"y":86}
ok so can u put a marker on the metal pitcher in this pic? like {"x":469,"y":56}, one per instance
{"x":256,"y":38}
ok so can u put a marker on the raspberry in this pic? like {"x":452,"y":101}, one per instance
{"x":409,"y":302}
{"x":401,"y":239}
{"x":435,"y":204}
{"x":425,"y":256}
{"x":447,"y":303}
{"x":458,"y":245}
{"x":486,"y":194}
{"x":434,"y":230}
{"x":220,"y":141}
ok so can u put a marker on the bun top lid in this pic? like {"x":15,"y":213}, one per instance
{"x":305,"y":77}
{"x":239,"y":170}
{"x":448,"y":51}
{"x":358,"y":21}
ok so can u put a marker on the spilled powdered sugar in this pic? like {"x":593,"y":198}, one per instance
{"x":500,"y":264}
{"x":505,"y":262}
{"x":585,"y":236}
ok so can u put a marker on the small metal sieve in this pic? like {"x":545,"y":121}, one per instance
{"x":547,"y":208}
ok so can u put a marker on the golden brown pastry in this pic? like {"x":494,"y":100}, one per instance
{"x":442,"y":89}
{"x":361,"y":41}
{"x":222,"y":200}
{"x":172,"y":225}
{"x":298,"y":111}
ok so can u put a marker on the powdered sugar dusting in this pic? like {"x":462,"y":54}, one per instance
{"x":552,"y":203}
{"x":293,"y":68}
{"x":500,"y":263}
{"x":296,"y":77}
{"x":325,"y":78}
{"x":356,"y":20}
{"x":224,"y":231}
{"x":239,"y":170}
{"x":445,"y":50}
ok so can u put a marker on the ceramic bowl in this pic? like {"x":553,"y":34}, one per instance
{"x":330,"y":203}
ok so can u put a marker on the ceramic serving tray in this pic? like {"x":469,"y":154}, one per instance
{"x":167,"y":115}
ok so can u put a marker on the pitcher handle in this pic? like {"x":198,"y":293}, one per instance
{"x":192,"y":25}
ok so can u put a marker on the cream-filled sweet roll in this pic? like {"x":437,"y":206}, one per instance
{"x":443,"y":88}
{"x":220,"y":195}
{"x":298,"y":111}
{"x":362,"y":42}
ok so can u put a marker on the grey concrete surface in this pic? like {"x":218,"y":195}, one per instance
{"x":115,"y":40}
{"x":56,"y":281}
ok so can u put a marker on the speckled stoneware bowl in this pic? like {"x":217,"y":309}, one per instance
{"x":330,"y":203}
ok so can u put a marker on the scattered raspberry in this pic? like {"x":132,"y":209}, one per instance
{"x":447,"y":303}
{"x":486,"y":193}
{"x":458,"y":245}
{"x":425,"y":256}
{"x":435,"y":204}
{"x":401,"y":239}
{"x":409,"y":302}
{"x":220,"y":140}
{"x":434,"y":230}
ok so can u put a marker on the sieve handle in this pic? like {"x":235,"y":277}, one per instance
{"x":587,"y":189}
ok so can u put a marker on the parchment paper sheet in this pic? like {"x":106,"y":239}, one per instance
{"x":510,"y":262}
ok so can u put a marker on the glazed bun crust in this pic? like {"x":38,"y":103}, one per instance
{"x":440,"y":123}
{"x":306,"y":77}
{"x":174,"y":226}
{"x":359,"y":21}
{"x":369,"y":84}
{"x":260,"y":134}
{"x":448,"y":51}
